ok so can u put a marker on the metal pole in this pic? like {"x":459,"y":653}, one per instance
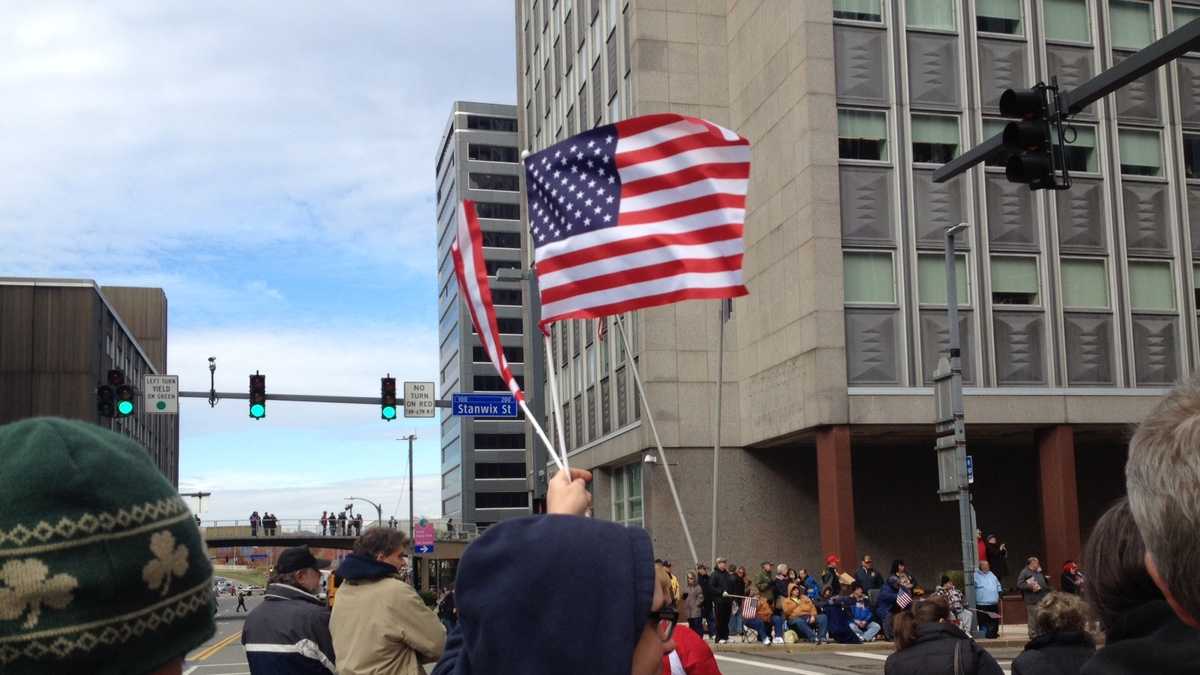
{"x":662,"y":456}
{"x":717,"y":432}
{"x":411,"y":486}
{"x":966,"y":529}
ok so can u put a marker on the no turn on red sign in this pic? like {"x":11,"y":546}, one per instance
{"x":419,"y":399}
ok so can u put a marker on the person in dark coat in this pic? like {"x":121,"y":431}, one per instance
{"x":997,"y":557}
{"x":1062,"y":644}
{"x":831,"y":576}
{"x":927,"y":644}
{"x":869,"y":578}
{"x":837,"y":613}
{"x":708,"y":600}
{"x":722,"y":581}
{"x":1142,"y":632}
{"x":1072,"y":579}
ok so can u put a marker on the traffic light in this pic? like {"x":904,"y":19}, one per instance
{"x":106,"y":399}
{"x":258,"y":396}
{"x":1035,"y":155}
{"x":387,"y":400}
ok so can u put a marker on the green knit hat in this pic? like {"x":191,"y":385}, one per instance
{"x":102,"y":569}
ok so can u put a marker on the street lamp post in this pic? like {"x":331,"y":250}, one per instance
{"x":378,"y":508}
{"x":410,"y":438}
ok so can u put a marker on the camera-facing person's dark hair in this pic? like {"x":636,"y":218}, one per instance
{"x":380,"y":541}
{"x":1116,"y":580}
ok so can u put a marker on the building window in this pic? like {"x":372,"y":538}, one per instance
{"x":935,"y":138}
{"x":1081,"y":152}
{"x":500,"y":470}
{"x":605,"y":408}
{"x":1191,"y":155}
{"x":511,"y":354}
{"x":493,"y":181}
{"x":495,"y":265}
{"x":998,"y":16}
{"x":862,"y":134}
{"x":857,"y":10}
{"x":1184,"y":14}
{"x":931,"y":280}
{"x":869,"y":278}
{"x":1084,"y":283}
{"x":507,"y":296}
{"x":1141,"y":152}
{"x":627,"y":494}
{"x":491,"y":153}
{"x":1132,"y":25}
{"x":1196,"y":283}
{"x":622,"y":398}
{"x":483,"y":123}
{"x":1151,"y":286}
{"x":501,"y":240}
{"x":1015,"y":280}
{"x":498,"y":211}
{"x":495,"y":382}
{"x":1067,"y":20}
{"x":501,"y":500}
{"x":578,"y":421}
{"x":936,"y":14}
{"x":499,"y":441}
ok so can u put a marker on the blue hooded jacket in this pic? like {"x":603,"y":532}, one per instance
{"x":551,"y":594}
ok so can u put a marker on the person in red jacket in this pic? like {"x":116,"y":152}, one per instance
{"x":980,"y":545}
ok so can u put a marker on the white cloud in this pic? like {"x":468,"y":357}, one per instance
{"x":293,"y":499}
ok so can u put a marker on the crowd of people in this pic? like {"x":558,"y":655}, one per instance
{"x":267,"y":522}
{"x":342,"y":524}
{"x":519,"y":607}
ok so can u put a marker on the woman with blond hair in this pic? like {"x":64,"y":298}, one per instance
{"x":1061,"y":645}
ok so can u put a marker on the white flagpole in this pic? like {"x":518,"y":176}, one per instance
{"x":717,"y":423}
{"x":662,"y":456}
{"x":537,"y":428}
{"x":554,"y":400}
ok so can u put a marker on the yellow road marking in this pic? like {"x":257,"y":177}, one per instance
{"x":214,"y":648}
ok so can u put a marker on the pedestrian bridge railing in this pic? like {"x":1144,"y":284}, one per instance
{"x":311,"y":527}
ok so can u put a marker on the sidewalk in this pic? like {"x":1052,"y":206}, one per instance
{"x":1010,"y":636}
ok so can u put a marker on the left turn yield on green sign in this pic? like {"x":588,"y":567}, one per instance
{"x":161,"y":393}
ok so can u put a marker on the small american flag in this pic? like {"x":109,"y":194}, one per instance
{"x":749,"y":608}
{"x":904,"y":599}
{"x":644,"y":212}
{"x":469,"y":267}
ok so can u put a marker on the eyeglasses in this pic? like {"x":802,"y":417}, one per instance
{"x":664,"y":622}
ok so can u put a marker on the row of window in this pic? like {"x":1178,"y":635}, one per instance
{"x":501,"y":240}
{"x":499,"y":470}
{"x":870,"y":279}
{"x":487,"y":123}
{"x":507,"y":326}
{"x":511,"y":355}
{"x":495,"y":382}
{"x":1132,"y":21}
{"x":499,"y":441}
{"x":501,"y":500}
{"x":498,"y":211}
{"x":493,"y":181}
{"x":484,"y":152}
{"x":863,"y":135}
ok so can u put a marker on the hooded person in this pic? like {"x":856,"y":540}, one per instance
{"x":523,"y":611}
{"x":102,"y":568}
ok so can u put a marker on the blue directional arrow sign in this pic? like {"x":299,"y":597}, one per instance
{"x":424,"y":548}
{"x":484,"y":405}
{"x":970,"y":469}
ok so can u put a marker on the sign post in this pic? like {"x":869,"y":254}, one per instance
{"x":161,"y":394}
{"x":954,"y":474}
{"x":419,"y":400}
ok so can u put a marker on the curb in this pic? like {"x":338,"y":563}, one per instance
{"x":878,"y":646}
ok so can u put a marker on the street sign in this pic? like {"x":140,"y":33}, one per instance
{"x":419,"y":399}
{"x":161,"y":394}
{"x":423,"y":535}
{"x":424,"y":548}
{"x":970,"y":470}
{"x":484,"y":405}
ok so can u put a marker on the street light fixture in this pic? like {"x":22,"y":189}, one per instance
{"x":378,"y":508}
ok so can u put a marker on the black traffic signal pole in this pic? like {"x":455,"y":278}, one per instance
{"x":306,"y":398}
{"x":1158,"y":54}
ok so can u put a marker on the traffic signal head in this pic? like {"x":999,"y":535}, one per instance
{"x":1025,"y":103}
{"x":106,"y":405}
{"x":1029,"y":140}
{"x":387,"y":400}
{"x":258,"y":396}
{"x":126,"y":403}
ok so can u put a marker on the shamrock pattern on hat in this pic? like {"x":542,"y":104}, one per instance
{"x":169,"y":560}
{"x":27,"y":585}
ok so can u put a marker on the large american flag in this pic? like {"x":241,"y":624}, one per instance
{"x":645,"y":212}
{"x":469,"y":267}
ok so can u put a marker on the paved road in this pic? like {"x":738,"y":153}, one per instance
{"x":223,"y":654}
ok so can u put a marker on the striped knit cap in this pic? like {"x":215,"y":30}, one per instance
{"x":102,"y":569}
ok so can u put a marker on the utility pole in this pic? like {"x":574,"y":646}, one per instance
{"x":951,"y":445}
{"x":410,"y":438}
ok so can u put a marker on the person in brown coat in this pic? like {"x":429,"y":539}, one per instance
{"x":801,"y":615}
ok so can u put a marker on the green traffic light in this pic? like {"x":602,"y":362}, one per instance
{"x":258,"y":411}
{"x":125,"y":407}
{"x":389,"y":412}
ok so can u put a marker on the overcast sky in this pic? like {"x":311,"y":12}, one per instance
{"x":271,"y":167}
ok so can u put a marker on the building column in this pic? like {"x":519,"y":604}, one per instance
{"x":835,"y":491}
{"x":1060,"y":499}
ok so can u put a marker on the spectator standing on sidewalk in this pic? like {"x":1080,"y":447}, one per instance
{"x":1142,"y":633}
{"x":869,"y":578}
{"x":1033,"y":586}
{"x":1072,"y":578}
{"x":693,"y":600}
{"x":987,"y":600}
{"x":1062,"y":644}
{"x":722,"y":583}
{"x":289,"y":631}
{"x":380,"y":625}
{"x":707,"y":601}
{"x":324,"y":523}
{"x":739,"y":585}
{"x":928,"y":644}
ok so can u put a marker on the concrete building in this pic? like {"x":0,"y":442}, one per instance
{"x":58,"y":340}
{"x":1078,"y":307}
{"x":483,"y":462}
